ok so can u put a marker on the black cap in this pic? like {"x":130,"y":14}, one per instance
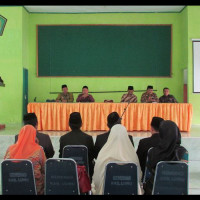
{"x":155,"y":123}
{"x":149,"y":87}
{"x":30,"y":118}
{"x":63,"y":86}
{"x":130,"y":87}
{"x":85,"y":87}
{"x":112,"y":119}
{"x":75,"y":120}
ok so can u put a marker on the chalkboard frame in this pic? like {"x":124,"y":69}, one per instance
{"x":37,"y":61}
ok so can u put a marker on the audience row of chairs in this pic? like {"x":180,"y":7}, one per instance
{"x":61,"y":178}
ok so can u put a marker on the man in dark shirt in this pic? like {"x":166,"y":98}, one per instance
{"x":167,"y":98}
{"x":43,"y":139}
{"x":84,"y":96}
{"x":77,"y":137}
{"x":112,"y":119}
{"x":146,"y":143}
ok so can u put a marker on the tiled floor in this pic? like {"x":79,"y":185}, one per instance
{"x":12,"y":129}
{"x":190,"y":141}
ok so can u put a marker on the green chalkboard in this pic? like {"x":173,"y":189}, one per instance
{"x":104,"y":50}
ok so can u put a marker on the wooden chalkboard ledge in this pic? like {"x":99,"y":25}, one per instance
{"x":102,"y":91}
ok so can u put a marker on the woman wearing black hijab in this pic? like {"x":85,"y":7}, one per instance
{"x":169,"y":149}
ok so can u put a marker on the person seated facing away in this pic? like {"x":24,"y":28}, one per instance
{"x":167,"y":98}
{"x":43,"y":139}
{"x":149,"y":96}
{"x":77,"y":137}
{"x":65,"y":96}
{"x":112,"y":119}
{"x":84,"y":96}
{"x":146,"y":143}
{"x":27,"y":148}
{"x":129,"y":97}
{"x":169,"y":149}
{"x":117,"y":148}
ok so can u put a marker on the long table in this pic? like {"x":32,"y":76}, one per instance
{"x":138,"y":116}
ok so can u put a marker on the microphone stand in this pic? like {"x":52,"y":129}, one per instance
{"x":120,"y":119}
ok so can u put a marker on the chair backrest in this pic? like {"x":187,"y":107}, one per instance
{"x":77,"y":152}
{"x":171,"y":178}
{"x":18,"y":177}
{"x":121,"y":178}
{"x":184,"y":156}
{"x":147,"y":173}
{"x":61,"y":177}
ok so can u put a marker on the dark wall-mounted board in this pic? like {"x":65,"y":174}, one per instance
{"x":104,"y":50}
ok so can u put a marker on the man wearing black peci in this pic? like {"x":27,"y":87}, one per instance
{"x":149,"y":96}
{"x":146,"y":143}
{"x":43,"y":139}
{"x":78,"y":137}
{"x":129,"y":97}
{"x":65,"y":96}
{"x":112,"y":119}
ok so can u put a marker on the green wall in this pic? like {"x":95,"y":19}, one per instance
{"x":11,"y":66}
{"x":183,"y":48}
{"x":46,"y":85}
{"x":193,"y":33}
{"x":25,"y":40}
{"x":18,"y":50}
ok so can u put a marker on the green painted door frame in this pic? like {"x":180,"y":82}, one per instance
{"x":25,"y":90}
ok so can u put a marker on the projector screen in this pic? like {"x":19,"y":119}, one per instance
{"x":196,"y":66}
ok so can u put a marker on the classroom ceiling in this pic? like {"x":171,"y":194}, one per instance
{"x":103,"y":9}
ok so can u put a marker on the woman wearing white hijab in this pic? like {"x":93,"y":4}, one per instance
{"x":117,"y":148}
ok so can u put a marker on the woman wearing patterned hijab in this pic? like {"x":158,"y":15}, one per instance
{"x":27,"y":148}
